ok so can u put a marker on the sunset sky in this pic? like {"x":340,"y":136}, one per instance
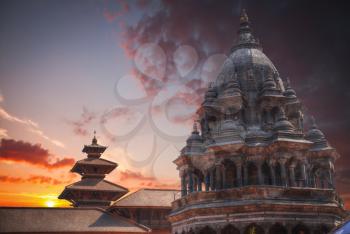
{"x":135,"y":72}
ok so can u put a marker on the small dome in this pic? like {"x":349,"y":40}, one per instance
{"x":282,"y":123}
{"x":289,"y":92}
{"x":314,"y":134}
{"x":194,"y":137}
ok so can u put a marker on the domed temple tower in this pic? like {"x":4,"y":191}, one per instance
{"x":92,"y":190}
{"x":252,"y":168}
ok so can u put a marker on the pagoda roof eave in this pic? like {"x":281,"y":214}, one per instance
{"x":102,"y":161}
{"x":94,"y":146}
{"x":74,"y":186}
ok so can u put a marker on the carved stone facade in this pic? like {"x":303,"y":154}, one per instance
{"x":253,"y":168}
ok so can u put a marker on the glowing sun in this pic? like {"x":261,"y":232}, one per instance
{"x":50,"y":203}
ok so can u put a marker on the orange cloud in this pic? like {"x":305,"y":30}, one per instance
{"x":130,"y":175}
{"x":137,"y":180}
{"x":33,"y":179}
{"x":35,"y":154}
{"x":79,"y":126}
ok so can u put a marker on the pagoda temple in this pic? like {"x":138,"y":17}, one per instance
{"x":93,"y":190}
{"x":252,"y":167}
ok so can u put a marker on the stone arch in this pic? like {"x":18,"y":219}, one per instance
{"x":278,"y":174}
{"x":323,"y":229}
{"x":252,"y":174}
{"x":230,"y":229}
{"x":267,"y":177}
{"x":207,"y":230}
{"x":278,"y":229}
{"x":301,"y":229}
{"x":230,"y":174}
{"x":253,"y":229}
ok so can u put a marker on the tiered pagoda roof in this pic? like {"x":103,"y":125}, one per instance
{"x":93,"y":189}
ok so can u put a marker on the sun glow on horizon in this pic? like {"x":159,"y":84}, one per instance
{"x":50,"y":203}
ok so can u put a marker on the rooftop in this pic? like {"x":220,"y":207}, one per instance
{"x":96,"y":184}
{"x":20,"y":219}
{"x":149,"y":198}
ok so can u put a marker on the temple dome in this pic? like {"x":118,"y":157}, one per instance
{"x":247,"y":60}
{"x":242,"y":59}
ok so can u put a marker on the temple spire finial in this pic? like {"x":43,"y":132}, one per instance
{"x":245,"y":35}
{"x":244,"y":17}
{"x":195,"y":127}
{"x":313,"y":122}
{"x":94,"y":140}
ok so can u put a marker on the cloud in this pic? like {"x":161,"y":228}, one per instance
{"x":130,"y":175}
{"x":33,"y":179}
{"x":137,"y":180}
{"x":3,"y":133}
{"x":125,"y":112}
{"x":5,"y":115}
{"x":32,"y":126}
{"x":115,"y":10}
{"x":34,"y":154}
{"x":53,"y":141}
{"x":80,"y":125}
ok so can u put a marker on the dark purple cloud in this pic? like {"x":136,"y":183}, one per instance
{"x":34,"y":154}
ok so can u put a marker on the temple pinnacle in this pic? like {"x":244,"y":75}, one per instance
{"x":94,"y":140}
{"x":244,"y":17}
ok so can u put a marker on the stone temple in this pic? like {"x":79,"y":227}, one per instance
{"x":253,"y":168}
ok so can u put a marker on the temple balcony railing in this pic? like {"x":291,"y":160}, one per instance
{"x":262,"y":193}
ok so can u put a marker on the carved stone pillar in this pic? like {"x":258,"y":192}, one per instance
{"x":190,"y":182}
{"x":303,"y":174}
{"x":260,"y":175}
{"x":239,"y":174}
{"x":292,"y":175}
{"x":207,"y":181}
{"x":218,"y":177}
{"x":331,"y":179}
{"x":331,"y":174}
{"x":195,"y":183}
{"x":272,"y":172}
{"x":245,"y":174}
{"x":223,"y":173}
{"x":283,"y":171}
{"x":183,"y":185}
{"x":212,"y":182}
{"x":199,"y":184}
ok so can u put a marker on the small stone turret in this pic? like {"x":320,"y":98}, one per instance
{"x":316,"y":136}
{"x":194,"y":143}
